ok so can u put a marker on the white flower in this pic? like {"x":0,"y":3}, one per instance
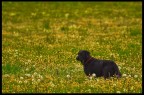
{"x":68,"y":76}
{"x":119,"y":67}
{"x":129,"y":75}
{"x":124,"y":90}
{"x":41,"y":77}
{"x":118,"y":92}
{"x":26,"y":63}
{"x":89,"y":90}
{"x":35,"y":73}
{"x":28,"y":75}
{"x":124,"y":75}
{"x":135,"y":76}
{"x":93,"y":74}
{"x":16,"y":50}
{"x":90,"y":78}
{"x":6,"y":75}
{"x":21,"y":78}
{"x":27,"y":69}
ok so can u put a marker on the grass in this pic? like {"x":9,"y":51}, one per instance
{"x":40,"y":42}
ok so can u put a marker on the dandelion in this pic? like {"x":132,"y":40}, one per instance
{"x":40,"y":56}
{"x":86,"y":11}
{"x":41,"y":77}
{"x":25,"y":81}
{"x":97,"y":79}
{"x":43,"y":13}
{"x":16,"y":53}
{"x":132,"y":88}
{"x":33,"y":65}
{"x":26,"y":63}
{"x":32,"y":76}
{"x":19,"y":82}
{"x":29,"y":61}
{"x":33,"y":80}
{"x":89,"y":90}
{"x":16,"y":34}
{"x":38,"y":80}
{"x":52,"y":85}
{"x":12,"y":14}
{"x":33,"y":14}
{"x":114,"y":84}
{"x":66,"y":15}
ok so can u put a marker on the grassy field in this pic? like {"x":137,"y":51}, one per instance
{"x":40,"y":42}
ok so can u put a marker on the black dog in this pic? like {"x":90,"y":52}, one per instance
{"x":105,"y":68}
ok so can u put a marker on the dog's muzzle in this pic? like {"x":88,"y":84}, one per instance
{"x":77,"y":58}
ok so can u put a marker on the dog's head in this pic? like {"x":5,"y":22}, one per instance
{"x":83,"y":55}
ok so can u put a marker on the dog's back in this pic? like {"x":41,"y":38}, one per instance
{"x":110,"y":69}
{"x":106,"y":68}
{"x":94,"y":67}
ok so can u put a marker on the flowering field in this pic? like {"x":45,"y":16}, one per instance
{"x":40,"y":42}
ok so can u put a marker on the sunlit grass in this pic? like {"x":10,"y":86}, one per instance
{"x":40,"y":41}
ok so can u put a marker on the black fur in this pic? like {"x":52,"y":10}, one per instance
{"x":105,"y":68}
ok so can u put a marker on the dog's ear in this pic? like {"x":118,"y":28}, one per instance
{"x":86,"y":53}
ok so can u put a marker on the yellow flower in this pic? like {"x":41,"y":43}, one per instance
{"x":12,"y":14}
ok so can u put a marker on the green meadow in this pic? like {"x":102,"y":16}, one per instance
{"x":40,"y":42}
